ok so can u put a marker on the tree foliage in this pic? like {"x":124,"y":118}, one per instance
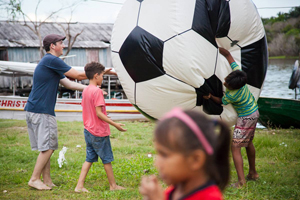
{"x":283,"y":33}
{"x":11,"y":8}
{"x":281,"y":17}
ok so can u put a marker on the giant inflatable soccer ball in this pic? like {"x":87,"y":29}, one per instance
{"x":166,"y":52}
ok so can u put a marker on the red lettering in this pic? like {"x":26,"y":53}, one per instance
{"x":4,"y":103}
{"x":18,"y":103}
{"x":24,"y":102}
{"x":9,"y":103}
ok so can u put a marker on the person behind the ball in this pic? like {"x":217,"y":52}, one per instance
{"x":192,"y":157}
{"x":238,"y":94}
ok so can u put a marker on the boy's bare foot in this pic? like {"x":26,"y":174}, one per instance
{"x":50,"y":185}
{"x":238,"y":184}
{"x":117,"y":187}
{"x":252,"y":177}
{"x":38,"y":184}
{"x":80,"y":190}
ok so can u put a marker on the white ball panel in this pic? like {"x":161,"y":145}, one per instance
{"x":255,"y":91}
{"x":190,"y":58}
{"x":223,"y":67}
{"x":200,"y":109}
{"x":229,"y":115}
{"x":223,"y":42}
{"x":128,"y":14}
{"x":184,"y":18}
{"x":170,"y":24}
{"x":158,"y":96}
{"x":246,"y":25}
{"x":127,"y":83}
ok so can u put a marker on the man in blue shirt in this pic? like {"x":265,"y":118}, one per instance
{"x":40,"y":116}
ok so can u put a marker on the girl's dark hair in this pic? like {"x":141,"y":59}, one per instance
{"x":93,"y":68}
{"x":177,"y":136}
{"x":236,"y":79}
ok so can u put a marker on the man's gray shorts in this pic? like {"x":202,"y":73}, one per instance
{"x":42,"y":130}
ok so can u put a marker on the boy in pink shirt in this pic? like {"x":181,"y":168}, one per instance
{"x":96,"y":127}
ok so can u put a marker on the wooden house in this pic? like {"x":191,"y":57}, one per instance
{"x":18,"y":43}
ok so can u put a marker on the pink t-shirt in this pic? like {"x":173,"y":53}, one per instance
{"x":92,"y":97}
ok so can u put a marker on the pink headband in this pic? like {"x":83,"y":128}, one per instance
{"x":178,"y":113}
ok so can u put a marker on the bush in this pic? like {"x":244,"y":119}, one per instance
{"x":294,"y":31}
{"x":287,"y":28}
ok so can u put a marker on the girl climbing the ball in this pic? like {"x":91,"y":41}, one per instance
{"x":192,"y":158}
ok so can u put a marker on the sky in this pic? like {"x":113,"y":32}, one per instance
{"x":99,"y":11}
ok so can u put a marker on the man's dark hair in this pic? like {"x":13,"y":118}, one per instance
{"x":93,"y":68}
{"x":236,"y":79}
{"x":52,"y":39}
{"x":47,"y":47}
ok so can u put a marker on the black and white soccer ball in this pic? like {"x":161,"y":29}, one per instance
{"x":166,"y":52}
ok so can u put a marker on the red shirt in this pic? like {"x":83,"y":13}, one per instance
{"x":209,"y":191}
{"x":92,"y":97}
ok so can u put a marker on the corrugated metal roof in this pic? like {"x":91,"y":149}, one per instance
{"x":94,"y":35}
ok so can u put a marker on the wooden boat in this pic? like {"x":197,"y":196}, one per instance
{"x":12,"y":107}
{"x":279,"y":113}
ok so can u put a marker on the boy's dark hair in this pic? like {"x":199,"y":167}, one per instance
{"x":93,"y":68}
{"x":236,"y":79}
{"x":177,"y":136}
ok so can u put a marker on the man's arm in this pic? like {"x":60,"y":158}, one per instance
{"x":71,"y":84}
{"x":73,"y":73}
{"x":110,"y":72}
{"x":103,"y":117}
{"x":227,"y":55}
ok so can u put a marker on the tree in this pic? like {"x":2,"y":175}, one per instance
{"x":14,"y":7}
{"x":11,"y":7}
{"x":295,"y":12}
{"x":70,"y":38}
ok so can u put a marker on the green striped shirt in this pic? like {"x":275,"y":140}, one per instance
{"x":241,"y":99}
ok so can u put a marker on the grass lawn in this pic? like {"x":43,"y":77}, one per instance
{"x":284,"y":57}
{"x":277,"y":151}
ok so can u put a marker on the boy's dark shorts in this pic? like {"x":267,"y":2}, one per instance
{"x":98,"y":146}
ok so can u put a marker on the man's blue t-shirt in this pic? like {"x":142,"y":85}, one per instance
{"x":46,"y":77}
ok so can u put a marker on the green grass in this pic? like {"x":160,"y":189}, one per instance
{"x":278,"y":166}
{"x":284,"y":57}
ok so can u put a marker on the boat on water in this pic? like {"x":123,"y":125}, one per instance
{"x":279,"y":113}
{"x":12,"y":107}
{"x":66,"y":109}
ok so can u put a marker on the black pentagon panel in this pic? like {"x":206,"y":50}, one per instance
{"x":213,"y":8}
{"x":224,"y":20}
{"x":142,"y":55}
{"x":255,"y":62}
{"x":202,"y":23}
{"x":214,"y":86}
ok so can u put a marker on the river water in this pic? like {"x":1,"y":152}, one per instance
{"x":277,"y":79}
